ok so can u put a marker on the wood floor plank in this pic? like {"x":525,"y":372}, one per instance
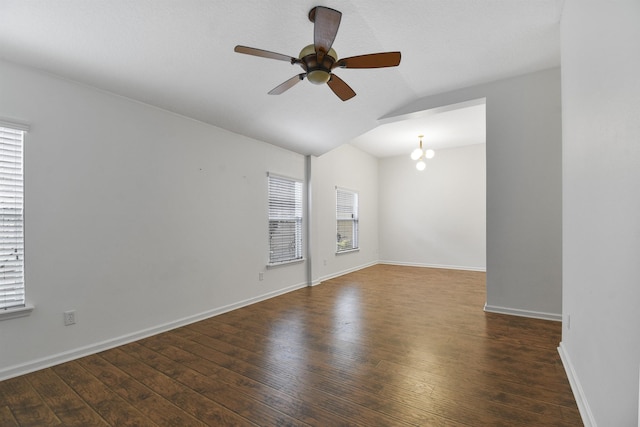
{"x":219,"y":377}
{"x":333,"y":392}
{"x":382,"y":346}
{"x":26,"y":405}
{"x":323,"y":394}
{"x":6,"y":417}
{"x":111,"y":407}
{"x":152,"y":405}
{"x":222,"y":406}
{"x":70,"y":408}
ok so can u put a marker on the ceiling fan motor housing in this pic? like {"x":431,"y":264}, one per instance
{"x":318,"y":71}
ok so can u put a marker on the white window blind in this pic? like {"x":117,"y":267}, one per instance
{"x":346,"y":219}
{"x":11,"y":219}
{"x":285,"y":219}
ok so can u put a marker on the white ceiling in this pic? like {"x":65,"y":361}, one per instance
{"x":453,"y":126}
{"x":178,"y":55}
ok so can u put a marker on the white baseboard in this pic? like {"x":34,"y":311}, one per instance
{"x":319,"y":280}
{"x":578,"y":393}
{"x":523,"y":313}
{"x":446,"y":267}
{"x":56,"y":359}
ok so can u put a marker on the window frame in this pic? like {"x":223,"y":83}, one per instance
{"x":288,"y":209}
{"x":347,"y":212}
{"x":13,"y":182}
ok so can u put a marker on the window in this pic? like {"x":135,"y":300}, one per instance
{"x":11,"y":219}
{"x":347,"y":220}
{"x":285,"y":219}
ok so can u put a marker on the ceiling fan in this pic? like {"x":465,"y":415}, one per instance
{"x":319,"y":59}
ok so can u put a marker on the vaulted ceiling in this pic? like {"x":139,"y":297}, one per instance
{"x":178,"y":55}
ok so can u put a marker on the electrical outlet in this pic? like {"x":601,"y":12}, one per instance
{"x":69,"y":317}
{"x":261,"y":276}
{"x":568,"y":322}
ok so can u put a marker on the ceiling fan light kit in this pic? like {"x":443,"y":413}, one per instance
{"x":319,"y":59}
{"x":318,"y":72}
{"x":420,"y":155}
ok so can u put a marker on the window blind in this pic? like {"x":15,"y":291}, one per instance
{"x":12,"y":292}
{"x":346,"y":220}
{"x":285,"y":219}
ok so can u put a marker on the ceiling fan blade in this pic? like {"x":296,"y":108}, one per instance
{"x":326,"y":23}
{"x":265,"y":54}
{"x":340,"y":88}
{"x":372,"y":60}
{"x":287,"y":84}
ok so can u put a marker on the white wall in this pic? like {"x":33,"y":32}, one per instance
{"x":524,"y":190}
{"x":346,"y":167}
{"x":141,"y":220}
{"x":601,"y":210}
{"x":436,"y":217}
{"x":136,"y":218}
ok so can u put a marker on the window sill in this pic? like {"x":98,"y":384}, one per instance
{"x":279,"y":264}
{"x":348,"y":251}
{"x":12,"y":313}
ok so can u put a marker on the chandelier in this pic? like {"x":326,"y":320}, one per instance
{"x":420,"y":155}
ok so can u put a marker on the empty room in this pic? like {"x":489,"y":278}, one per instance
{"x":419,"y":213}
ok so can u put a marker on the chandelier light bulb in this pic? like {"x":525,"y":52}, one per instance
{"x":419,"y":155}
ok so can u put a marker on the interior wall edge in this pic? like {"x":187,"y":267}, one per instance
{"x":576,"y":387}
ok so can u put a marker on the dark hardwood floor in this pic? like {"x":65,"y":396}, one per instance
{"x":384,"y":346}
